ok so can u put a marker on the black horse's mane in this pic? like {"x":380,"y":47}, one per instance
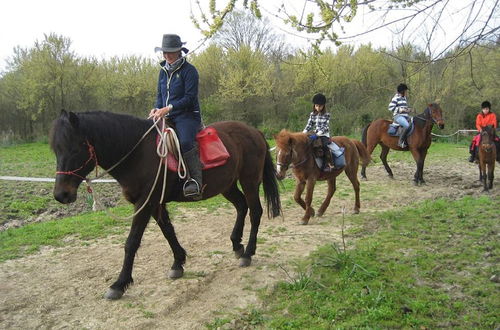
{"x":113,"y":132}
{"x":424,"y":116}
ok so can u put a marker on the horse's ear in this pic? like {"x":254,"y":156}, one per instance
{"x":63,"y":113}
{"x":73,"y":119}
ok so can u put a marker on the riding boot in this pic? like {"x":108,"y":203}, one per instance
{"x":328,"y":159}
{"x":402,"y":139}
{"x":472,"y":154}
{"x":193,"y":185}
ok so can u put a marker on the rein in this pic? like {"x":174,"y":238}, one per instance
{"x":434,"y":121}
{"x":166,"y":135}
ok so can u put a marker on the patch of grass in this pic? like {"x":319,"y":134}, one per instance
{"x":426,"y":266}
{"x":30,"y":159}
{"x":18,"y":242}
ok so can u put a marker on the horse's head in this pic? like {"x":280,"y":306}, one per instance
{"x":284,"y":152}
{"x":487,"y":138}
{"x":436,"y":114}
{"x":74,"y":154}
{"x":289,"y":148}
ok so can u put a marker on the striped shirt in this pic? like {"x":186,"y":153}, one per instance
{"x":398,"y":105}
{"x":320,"y":123}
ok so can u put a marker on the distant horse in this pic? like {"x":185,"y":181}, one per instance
{"x":295,"y":149}
{"x":418,"y":142}
{"x":487,"y":155}
{"x":81,"y":141}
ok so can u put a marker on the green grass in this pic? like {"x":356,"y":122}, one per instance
{"x":30,"y":159}
{"x":22,"y":241}
{"x":426,"y":266}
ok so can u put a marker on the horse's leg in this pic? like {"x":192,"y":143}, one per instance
{"x":236,"y":197}
{"x":352,"y":174}
{"x":331,"y":190}
{"x":383,"y":158}
{"x":370,"y":147}
{"x":297,"y":196}
{"x":308,"y":200}
{"x":139,"y":223}
{"x":163,"y":220}
{"x":419,"y":156}
{"x":251,"y":191}
{"x":482,"y":169}
{"x":491,"y":173}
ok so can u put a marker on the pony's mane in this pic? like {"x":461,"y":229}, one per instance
{"x":285,"y":136}
{"x":112,"y":132}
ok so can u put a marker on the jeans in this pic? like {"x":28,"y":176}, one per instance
{"x":402,"y":120}
{"x":186,"y":127}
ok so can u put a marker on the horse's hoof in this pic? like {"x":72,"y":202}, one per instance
{"x":239,"y":253}
{"x":304,"y":222}
{"x":245,"y":262}
{"x":113,"y":294}
{"x":175,"y":273}
{"x":356,"y":211}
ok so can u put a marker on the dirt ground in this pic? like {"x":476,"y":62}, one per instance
{"x":63,"y":287}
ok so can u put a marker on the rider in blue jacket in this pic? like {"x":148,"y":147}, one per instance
{"x":177,"y":100}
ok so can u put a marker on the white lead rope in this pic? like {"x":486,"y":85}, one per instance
{"x":165,"y":135}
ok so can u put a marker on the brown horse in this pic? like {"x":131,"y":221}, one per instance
{"x":295,"y":149}
{"x":418,"y":142}
{"x":487,"y":155}
{"x":81,"y":141}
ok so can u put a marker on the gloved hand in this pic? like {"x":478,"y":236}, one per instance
{"x":313,"y":137}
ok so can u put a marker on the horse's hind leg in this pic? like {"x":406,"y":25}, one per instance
{"x":370,"y":147}
{"x":251,"y":191}
{"x":352,"y":174}
{"x":383,"y":157}
{"x":236,"y":197}
{"x":332,"y":187}
{"x":139,"y":223}
{"x":163,"y":220}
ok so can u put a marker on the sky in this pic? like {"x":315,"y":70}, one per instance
{"x":106,"y":28}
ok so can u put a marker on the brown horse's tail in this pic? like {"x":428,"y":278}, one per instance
{"x":364,"y":138}
{"x":365,"y":157}
{"x":270,"y":183}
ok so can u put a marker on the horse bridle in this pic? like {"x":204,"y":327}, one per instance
{"x":434,"y":121}
{"x":285,"y":166}
{"x":92,"y":156}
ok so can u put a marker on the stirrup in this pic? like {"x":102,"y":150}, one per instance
{"x":197,"y":193}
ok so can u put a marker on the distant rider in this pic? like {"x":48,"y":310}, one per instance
{"x":399,"y":108}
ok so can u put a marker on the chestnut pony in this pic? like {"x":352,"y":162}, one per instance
{"x":295,"y":150}
{"x":81,"y":141}
{"x":487,"y":155}
{"x":418,"y":142}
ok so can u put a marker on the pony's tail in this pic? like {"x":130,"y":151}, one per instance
{"x":365,"y":157}
{"x":364,"y":138}
{"x":270,"y":183}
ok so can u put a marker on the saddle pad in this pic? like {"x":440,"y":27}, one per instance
{"x":213,"y":153}
{"x":397,"y":130}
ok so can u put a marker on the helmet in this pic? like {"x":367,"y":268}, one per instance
{"x":319,"y":99}
{"x":402,"y":88}
{"x":486,"y":104}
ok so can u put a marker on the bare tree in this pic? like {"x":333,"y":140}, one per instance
{"x":241,"y":29}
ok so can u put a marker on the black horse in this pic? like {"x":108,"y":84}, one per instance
{"x":81,"y":141}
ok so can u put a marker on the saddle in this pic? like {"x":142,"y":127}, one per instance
{"x":213,"y":153}
{"x":322,"y":155}
{"x":395,"y":129}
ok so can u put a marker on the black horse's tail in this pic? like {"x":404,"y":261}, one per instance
{"x":364,"y":138}
{"x":270,"y":183}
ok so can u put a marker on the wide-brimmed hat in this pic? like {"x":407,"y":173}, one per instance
{"x":171,"y":43}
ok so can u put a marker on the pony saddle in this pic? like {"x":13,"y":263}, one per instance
{"x":328,"y":154}
{"x":395,"y":129}
{"x":213,"y":153}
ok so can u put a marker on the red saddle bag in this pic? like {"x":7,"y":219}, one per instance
{"x":213,"y":153}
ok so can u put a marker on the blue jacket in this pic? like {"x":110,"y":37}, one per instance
{"x":180,"y":89}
